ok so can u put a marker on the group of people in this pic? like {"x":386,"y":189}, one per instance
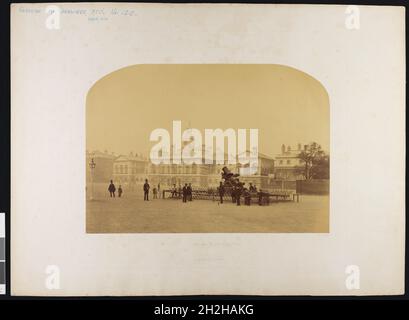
{"x":112,"y":190}
{"x":155,"y":191}
{"x":186,"y":192}
{"x":237,"y":192}
{"x":146,"y":188}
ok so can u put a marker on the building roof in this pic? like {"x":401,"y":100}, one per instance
{"x":100,"y":154}
{"x":264,"y":156}
{"x":261,"y":155}
{"x":130,"y":157}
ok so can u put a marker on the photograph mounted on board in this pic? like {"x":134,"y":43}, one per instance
{"x":207,"y":148}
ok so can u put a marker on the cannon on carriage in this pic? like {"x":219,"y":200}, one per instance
{"x":234,"y":188}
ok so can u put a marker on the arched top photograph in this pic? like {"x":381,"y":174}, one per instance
{"x":255,"y":134}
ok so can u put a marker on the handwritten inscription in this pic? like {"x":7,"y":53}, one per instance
{"x":91,"y":14}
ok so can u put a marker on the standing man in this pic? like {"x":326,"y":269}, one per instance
{"x":119,"y":191}
{"x":179,"y":190}
{"x":111,"y":190}
{"x":260,"y":198}
{"x":221,"y":191}
{"x":189,"y":192}
{"x":174,"y":191}
{"x":247,"y":196}
{"x":238,"y":194}
{"x":184,"y":192}
{"x":159,"y":190}
{"x":233,"y":194}
{"x":146,"y":187}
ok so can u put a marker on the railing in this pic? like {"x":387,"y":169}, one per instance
{"x":198,"y":194}
{"x":262,"y":198}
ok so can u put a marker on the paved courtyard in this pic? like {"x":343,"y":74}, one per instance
{"x":130,"y":214}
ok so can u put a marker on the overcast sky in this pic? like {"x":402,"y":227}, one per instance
{"x":286,"y":105}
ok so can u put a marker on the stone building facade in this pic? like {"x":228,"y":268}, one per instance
{"x":288,"y":166}
{"x":104,"y":162}
{"x":131,"y":171}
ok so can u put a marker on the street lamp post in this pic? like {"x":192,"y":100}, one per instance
{"x":92,"y":165}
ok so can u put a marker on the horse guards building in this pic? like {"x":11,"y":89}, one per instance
{"x":132,"y":169}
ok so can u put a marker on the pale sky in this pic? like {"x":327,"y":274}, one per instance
{"x":286,"y":105}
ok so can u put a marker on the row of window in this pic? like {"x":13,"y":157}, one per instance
{"x":123,"y":169}
{"x":289,"y":161}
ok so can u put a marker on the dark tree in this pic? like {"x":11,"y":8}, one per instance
{"x":316,"y":162}
{"x":320,"y":168}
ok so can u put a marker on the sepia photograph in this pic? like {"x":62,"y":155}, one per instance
{"x":207,"y":148}
{"x":180,"y":149}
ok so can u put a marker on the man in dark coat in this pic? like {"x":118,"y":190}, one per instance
{"x":233,"y":194}
{"x":221,"y":191}
{"x":184,"y":192}
{"x":111,"y":190}
{"x":189,"y":192}
{"x":174,"y":191}
{"x":146,"y":188}
{"x":238,"y":195}
{"x":179,"y":191}
{"x":260,"y":198}
{"x":247,"y":196}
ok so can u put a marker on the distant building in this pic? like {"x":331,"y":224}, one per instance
{"x":199,"y":175}
{"x":207,"y":175}
{"x":103,"y":171}
{"x":264,"y":173}
{"x":130,"y":169}
{"x":288,"y":166}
